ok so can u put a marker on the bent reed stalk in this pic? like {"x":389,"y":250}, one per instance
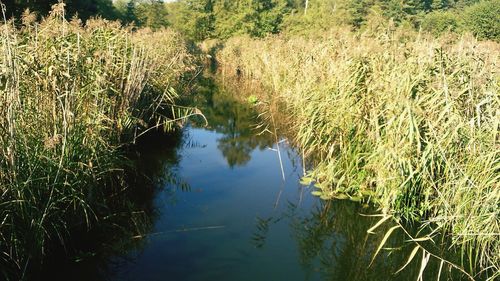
{"x":406,"y":121}
{"x":70,"y":96}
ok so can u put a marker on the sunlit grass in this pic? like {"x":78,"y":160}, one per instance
{"x":406,"y":121}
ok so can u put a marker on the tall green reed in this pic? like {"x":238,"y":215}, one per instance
{"x":406,"y":121}
{"x":70,"y":96}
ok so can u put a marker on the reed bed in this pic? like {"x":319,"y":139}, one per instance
{"x":70,"y":96}
{"x":408,"y":122}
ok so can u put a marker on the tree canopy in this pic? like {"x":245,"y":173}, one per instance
{"x":84,"y":9}
{"x":202,"y":19}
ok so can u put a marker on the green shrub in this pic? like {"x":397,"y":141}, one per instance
{"x":440,"y":22}
{"x":483,"y":19}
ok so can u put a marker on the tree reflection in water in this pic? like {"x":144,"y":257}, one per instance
{"x":333,"y":240}
{"x":235,"y":119}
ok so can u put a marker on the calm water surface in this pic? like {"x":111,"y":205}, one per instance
{"x":233,"y":218}
{"x":222,"y":211}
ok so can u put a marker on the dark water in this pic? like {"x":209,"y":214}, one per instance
{"x":220,"y":210}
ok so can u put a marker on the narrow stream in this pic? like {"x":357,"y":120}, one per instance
{"x":232,"y":219}
{"x":224,"y":212}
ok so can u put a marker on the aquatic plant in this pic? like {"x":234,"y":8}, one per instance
{"x":70,"y":96}
{"x":406,"y":121}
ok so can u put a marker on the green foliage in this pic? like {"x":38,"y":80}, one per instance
{"x":440,"y":22}
{"x":151,"y":14}
{"x":202,"y":19}
{"x":83,"y":8}
{"x":269,"y":15}
{"x":253,"y":17}
{"x":126,"y":9}
{"x":320,"y":15}
{"x":194,"y":18}
{"x":143,"y":13}
{"x":358,"y":10}
{"x":483,"y":19}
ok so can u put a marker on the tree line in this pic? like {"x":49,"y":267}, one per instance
{"x":151,"y":13}
{"x":203,"y":19}
{"x":83,"y":8}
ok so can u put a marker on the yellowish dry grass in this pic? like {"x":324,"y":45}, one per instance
{"x":404,"y":120}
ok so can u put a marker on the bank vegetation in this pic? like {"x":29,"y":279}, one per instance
{"x":394,"y":117}
{"x":71,"y":95}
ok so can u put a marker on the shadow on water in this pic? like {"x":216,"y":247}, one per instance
{"x":95,"y":252}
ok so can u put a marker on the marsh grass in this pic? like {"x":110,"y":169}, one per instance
{"x":70,"y":96}
{"x":408,"y":122}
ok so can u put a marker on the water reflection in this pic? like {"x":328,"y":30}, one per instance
{"x":214,"y":206}
{"x":331,"y":237}
{"x":333,"y":241}
{"x":234,"y":120}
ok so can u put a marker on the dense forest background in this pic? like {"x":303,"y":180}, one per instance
{"x":203,"y":19}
